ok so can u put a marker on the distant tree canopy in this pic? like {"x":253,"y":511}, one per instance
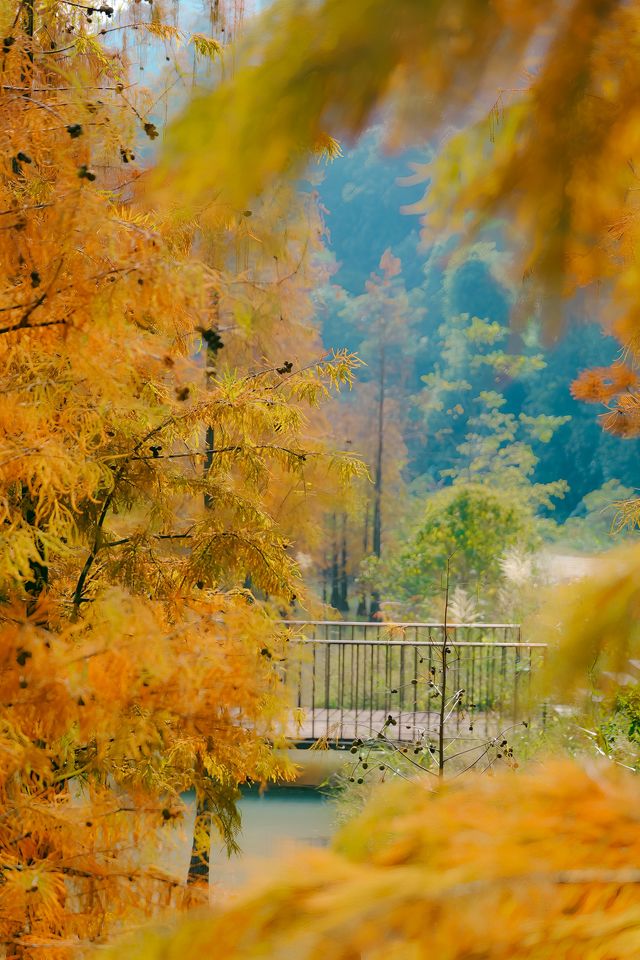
{"x":472,"y":527}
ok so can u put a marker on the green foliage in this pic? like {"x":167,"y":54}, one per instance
{"x":619,"y":733}
{"x":471,"y":403}
{"x":591,"y":525}
{"x":475,"y":526}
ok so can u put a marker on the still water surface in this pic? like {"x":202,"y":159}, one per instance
{"x":272,"y":824}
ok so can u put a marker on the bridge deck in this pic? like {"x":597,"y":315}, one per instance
{"x":348,"y":725}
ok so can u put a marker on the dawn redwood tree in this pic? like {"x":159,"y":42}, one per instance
{"x":375,"y":420}
{"x":135,"y":664}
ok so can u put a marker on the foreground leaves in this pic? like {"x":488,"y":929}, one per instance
{"x":556,"y":152}
{"x":539,"y":865}
{"x":592,"y":626}
{"x":103,"y":726}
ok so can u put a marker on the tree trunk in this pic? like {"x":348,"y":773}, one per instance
{"x":377,"y":489}
{"x":344,"y":581}
{"x":335,"y":578}
{"x":199,"y":865}
{"x":362,"y":602}
{"x":325,"y":573}
{"x":39,"y":568}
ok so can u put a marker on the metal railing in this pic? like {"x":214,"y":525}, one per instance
{"x":352,"y":680}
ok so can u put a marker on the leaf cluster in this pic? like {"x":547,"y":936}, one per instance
{"x":457,"y":871}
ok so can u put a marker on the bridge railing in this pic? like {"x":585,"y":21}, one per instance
{"x":350,"y":678}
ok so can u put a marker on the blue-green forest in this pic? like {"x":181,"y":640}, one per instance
{"x":365,"y":201}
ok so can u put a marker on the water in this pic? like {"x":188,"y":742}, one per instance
{"x":273,"y":824}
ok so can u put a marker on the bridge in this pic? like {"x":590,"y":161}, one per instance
{"x":357,"y":681}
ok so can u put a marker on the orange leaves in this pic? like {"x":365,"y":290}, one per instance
{"x":37,"y":893}
{"x":536,"y":865}
{"x":390,"y":265}
{"x":624,"y":420}
{"x":104,"y":723}
{"x":149,"y":440}
{"x":606,"y":385}
{"x":601,"y":384}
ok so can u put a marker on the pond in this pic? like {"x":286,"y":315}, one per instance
{"x":273,"y":823}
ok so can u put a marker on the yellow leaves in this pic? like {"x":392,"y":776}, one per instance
{"x":309,"y":72}
{"x":165,"y":31}
{"x":206,"y":46}
{"x":327,"y":148}
{"x":549,"y":856}
{"x":100,"y":705}
{"x":147,"y":471}
{"x":555,"y":153}
{"x":39,"y":892}
{"x":592,"y":625}
{"x":89,"y":46}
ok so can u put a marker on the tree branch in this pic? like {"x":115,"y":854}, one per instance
{"x":235,"y":448}
{"x":31,"y":326}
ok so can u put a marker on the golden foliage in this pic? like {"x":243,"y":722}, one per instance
{"x":147,"y":430}
{"x":100,"y":739}
{"x":307,"y":70}
{"x":592,"y":624}
{"x":600,"y":384}
{"x":616,"y":387}
{"x":624,"y":419}
{"x":206,"y":46}
{"x":556,"y":151}
{"x":452,"y":872}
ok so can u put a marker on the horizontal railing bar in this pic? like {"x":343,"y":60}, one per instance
{"x":382,"y":625}
{"x":437,"y":644}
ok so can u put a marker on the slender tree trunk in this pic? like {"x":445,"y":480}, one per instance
{"x":335,"y":579}
{"x":444,"y":652}
{"x":29,"y":26}
{"x":39,"y":568}
{"x":377,"y":489}
{"x":325,"y":572}
{"x":210,"y":438}
{"x":362,"y":602}
{"x":365,"y":538}
{"x":199,"y":864}
{"x":344,"y":581}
